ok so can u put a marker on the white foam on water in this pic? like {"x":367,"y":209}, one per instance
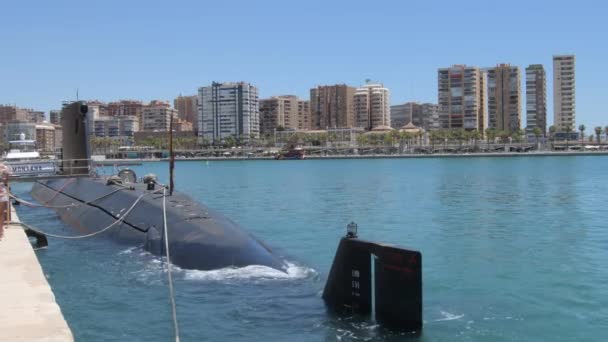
{"x":252,"y":272}
{"x":448,"y":317}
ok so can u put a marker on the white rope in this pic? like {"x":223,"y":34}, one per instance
{"x":122,"y":218}
{"x":71,"y":205}
{"x":171,"y":292}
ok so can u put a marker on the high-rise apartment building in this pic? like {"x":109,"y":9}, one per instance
{"x":303,"y":115}
{"x":286,"y":111}
{"x":536,"y":99}
{"x":10,"y":113}
{"x":504,"y":98}
{"x":55,"y":117}
{"x":45,"y":137}
{"x":187,"y":108}
{"x":372,"y":106}
{"x":332,"y":107}
{"x":461,"y":94}
{"x":156,"y":116}
{"x":116,"y":126}
{"x":123,"y":108}
{"x":424,"y":115}
{"x":228,"y":109}
{"x":564,"y":95}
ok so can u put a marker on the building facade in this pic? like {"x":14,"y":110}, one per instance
{"x":45,"y":137}
{"x":157,"y":116}
{"x":10,"y":113}
{"x":228,"y":110}
{"x":304,"y":120}
{"x":536,"y":99}
{"x":564,"y":94}
{"x":187,"y":108}
{"x":55,"y":117}
{"x":372,"y":107}
{"x":117,"y":126}
{"x":332,"y":107}
{"x":424,"y":115}
{"x":504,"y":98}
{"x":461,"y":95}
{"x":287,"y":111}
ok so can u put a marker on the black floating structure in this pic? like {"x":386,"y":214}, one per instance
{"x":368,"y":277}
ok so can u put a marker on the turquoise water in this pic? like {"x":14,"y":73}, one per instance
{"x":513,"y":249}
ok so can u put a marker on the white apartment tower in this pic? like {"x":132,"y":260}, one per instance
{"x":372,"y":107}
{"x":156,"y":116}
{"x":228,"y":109}
{"x":564,"y":95}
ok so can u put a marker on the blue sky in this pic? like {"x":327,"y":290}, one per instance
{"x":156,"y":50}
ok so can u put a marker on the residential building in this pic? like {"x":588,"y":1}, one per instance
{"x":564,"y":94}
{"x":425,"y":115}
{"x":117,"y":126}
{"x":124,"y":108}
{"x":181,"y":125}
{"x":372,"y":106}
{"x":504,"y":98}
{"x":332,"y":107}
{"x":156,"y":116}
{"x":10,"y":113}
{"x":228,"y":110}
{"x":536,"y":99}
{"x":286,"y":111}
{"x":34,"y":116}
{"x":187,"y":108}
{"x":55,"y":117}
{"x":461,"y":95}
{"x":304,"y":120}
{"x":45,"y":137}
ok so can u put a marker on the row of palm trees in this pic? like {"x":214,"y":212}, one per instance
{"x":390,"y":138}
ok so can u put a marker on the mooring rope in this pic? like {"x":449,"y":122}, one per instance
{"x":120,"y":219}
{"x":71,"y":205}
{"x":169,"y":276}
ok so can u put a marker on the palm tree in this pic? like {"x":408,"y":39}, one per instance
{"x":582,"y":128}
{"x":490,"y":135}
{"x":537,"y":132}
{"x":552,"y":131}
{"x":568,"y":130}
{"x":475,"y":135}
{"x":598,"y":132}
{"x":362,"y":140}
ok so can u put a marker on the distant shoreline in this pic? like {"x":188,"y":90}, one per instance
{"x":379,"y":156}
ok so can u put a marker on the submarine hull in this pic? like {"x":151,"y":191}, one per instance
{"x":199,"y":237}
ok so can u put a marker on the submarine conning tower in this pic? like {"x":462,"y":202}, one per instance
{"x":373,"y":278}
{"x":75,"y":151}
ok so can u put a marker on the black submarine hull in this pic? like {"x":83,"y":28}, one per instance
{"x":199,"y":238}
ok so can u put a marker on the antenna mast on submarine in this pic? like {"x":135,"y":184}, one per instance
{"x":171,"y":156}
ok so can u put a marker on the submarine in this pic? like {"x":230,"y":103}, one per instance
{"x":198,"y":237}
{"x":366,"y":278}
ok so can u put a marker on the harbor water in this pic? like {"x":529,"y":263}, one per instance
{"x":513,"y":249}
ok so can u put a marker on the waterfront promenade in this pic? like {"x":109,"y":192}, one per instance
{"x":381,"y":156}
{"x":28,"y":310}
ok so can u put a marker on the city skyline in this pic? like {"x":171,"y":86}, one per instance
{"x":48,"y":57}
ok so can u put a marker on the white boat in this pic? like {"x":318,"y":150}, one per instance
{"x":23,"y":160}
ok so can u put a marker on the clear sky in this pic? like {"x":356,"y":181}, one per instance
{"x":148,"y":50}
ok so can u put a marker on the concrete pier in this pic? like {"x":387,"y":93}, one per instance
{"x":28,"y":311}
